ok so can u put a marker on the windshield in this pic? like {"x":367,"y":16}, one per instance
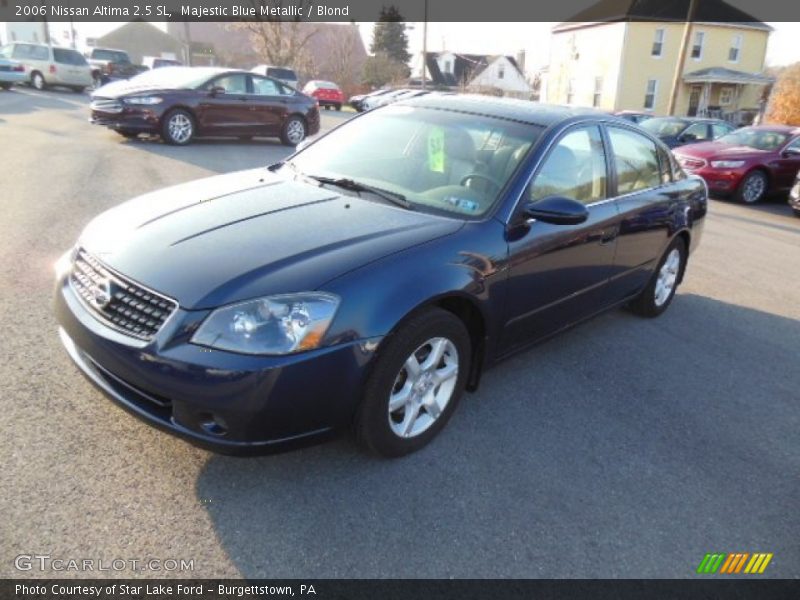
{"x":175,"y":77}
{"x":436,"y":159}
{"x":759,"y":139}
{"x":664,"y":127}
{"x":116,"y":56}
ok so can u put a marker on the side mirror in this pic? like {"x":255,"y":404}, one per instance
{"x":557,"y":210}
{"x":216,"y":90}
{"x":791,"y":152}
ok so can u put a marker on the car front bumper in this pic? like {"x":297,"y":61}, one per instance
{"x":221,"y":401}
{"x":722,"y":181}
{"x":128,"y":119}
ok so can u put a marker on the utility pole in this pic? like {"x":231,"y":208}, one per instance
{"x":425,"y":44}
{"x":685,"y":41}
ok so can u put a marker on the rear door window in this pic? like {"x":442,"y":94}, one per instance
{"x":635,"y":159}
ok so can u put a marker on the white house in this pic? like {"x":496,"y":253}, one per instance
{"x":476,"y":72}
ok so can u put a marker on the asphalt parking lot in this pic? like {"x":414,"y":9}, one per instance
{"x":624,"y":448}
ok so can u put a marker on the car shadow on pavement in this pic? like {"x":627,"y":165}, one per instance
{"x":624,"y":448}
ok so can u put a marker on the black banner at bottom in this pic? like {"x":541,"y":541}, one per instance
{"x":387,"y":589}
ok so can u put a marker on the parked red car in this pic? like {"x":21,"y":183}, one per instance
{"x":747,"y":163}
{"x":326,"y":93}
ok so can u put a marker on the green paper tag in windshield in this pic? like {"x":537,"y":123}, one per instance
{"x":436,"y":150}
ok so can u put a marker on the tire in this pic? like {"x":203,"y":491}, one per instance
{"x":128,"y":134}
{"x":423,"y":403}
{"x":753,"y":187}
{"x":657,"y":296}
{"x":293,"y":131}
{"x":78,"y":89}
{"x":338,"y":107}
{"x":37,"y":81}
{"x":5,"y":85}
{"x":178,"y":127}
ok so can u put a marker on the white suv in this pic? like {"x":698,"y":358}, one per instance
{"x":51,"y":65}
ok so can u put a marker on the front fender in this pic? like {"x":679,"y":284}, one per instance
{"x":469,"y":264}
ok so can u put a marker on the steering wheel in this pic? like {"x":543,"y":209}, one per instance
{"x":487,"y":178}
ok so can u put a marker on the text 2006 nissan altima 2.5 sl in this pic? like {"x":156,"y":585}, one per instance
{"x":369,"y":279}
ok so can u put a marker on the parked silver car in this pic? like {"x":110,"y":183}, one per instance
{"x":50,"y":65}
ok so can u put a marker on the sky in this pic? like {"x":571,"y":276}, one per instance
{"x":508,"y":38}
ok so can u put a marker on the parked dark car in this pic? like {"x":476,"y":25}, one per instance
{"x":749,"y":163}
{"x":633,"y":116}
{"x":180,"y":103}
{"x":679,"y":131}
{"x":375,"y":274}
{"x":794,"y":196}
{"x":109,"y":64}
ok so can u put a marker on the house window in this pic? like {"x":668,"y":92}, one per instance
{"x":697,"y":47}
{"x":650,"y":94}
{"x":658,"y":43}
{"x":598,"y":91}
{"x":448,"y":66}
{"x":735,"y":49}
{"x":570,"y":91}
{"x":501,"y":71}
{"x":726,"y":96}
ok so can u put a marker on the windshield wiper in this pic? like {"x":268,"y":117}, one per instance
{"x":355,"y":186}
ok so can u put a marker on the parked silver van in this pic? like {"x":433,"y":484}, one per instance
{"x":51,"y":65}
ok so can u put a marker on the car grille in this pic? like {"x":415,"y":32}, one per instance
{"x":106,"y":105}
{"x":118,"y":302}
{"x":690,"y":163}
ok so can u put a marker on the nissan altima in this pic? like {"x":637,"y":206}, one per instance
{"x":371,"y":278}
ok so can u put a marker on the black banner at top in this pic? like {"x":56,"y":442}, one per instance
{"x":733,"y":11}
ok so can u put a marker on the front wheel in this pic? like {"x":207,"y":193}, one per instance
{"x":753,"y":187}
{"x":178,"y":127}
{"x":660,"y":291}
{"x":416,"y":383}
{"x":294,"y":131}
{"x":338,"y":107}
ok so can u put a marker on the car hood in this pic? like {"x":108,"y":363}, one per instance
{"x":715,"y":150}
{"x":126,"y":87}
{"x":243,"y":235}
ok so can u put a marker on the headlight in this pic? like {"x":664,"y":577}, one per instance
{"x":144,"y":100}
{"x":273,"y":325}
{"x":727,"y":164}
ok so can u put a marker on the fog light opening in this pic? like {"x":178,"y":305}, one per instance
{"x":213,"y":424}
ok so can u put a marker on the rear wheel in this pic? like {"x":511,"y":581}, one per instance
{"x":753,"y":187}
{"x":37,"y":81}
{"x":418,"y":379}
{"x":660,"y":291}
{"x":294,"y":131}
{"x":178,"y":127}
{"x":5,"y":85}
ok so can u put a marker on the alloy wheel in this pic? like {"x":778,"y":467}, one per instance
{"x":295,"y":131}
{"x":754,"y":188}
{"x":667,"y":277}
{"x":423,"y":387}
{"x":180,"y":128}
{"x":38,"y":81}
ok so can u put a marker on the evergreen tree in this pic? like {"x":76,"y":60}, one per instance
{"x":389,"y":36}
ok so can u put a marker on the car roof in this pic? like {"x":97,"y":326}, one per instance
{"x":777,"y":128}
{"x":505,"y":108}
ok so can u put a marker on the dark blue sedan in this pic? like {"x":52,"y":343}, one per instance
{"x":373,"y":276}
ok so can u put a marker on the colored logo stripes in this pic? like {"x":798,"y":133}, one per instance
{"x":734,"y":563}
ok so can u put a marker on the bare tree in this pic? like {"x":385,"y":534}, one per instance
{"x":341,"y":60}
{"x":279,"y":41}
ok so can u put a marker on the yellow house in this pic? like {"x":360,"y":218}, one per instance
{"x":631,"y":65}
